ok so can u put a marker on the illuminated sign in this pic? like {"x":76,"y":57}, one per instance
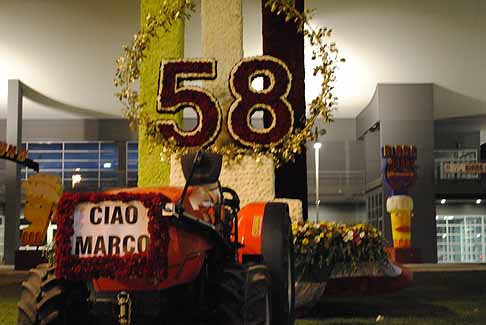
{"x":10,"y":152}
{"x":399,"y":167}
{"x":465,"y":168}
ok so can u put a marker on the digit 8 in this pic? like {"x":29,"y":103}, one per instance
{"x":272,"y":99}
{"x":173,"y":97}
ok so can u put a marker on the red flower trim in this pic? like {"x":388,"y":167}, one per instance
{"x":152,"y":263}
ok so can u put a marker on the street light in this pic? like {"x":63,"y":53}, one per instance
{"x":317,"y":148}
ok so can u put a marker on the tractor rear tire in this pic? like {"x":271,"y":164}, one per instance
{"x":277,"y":251}
{"x":244,"y":296}
{"x":46,"y":299}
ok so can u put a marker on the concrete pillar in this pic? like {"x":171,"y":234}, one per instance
{"x":281,"y":40}
{"x":12,"y":172}
{"x":482,"y":137}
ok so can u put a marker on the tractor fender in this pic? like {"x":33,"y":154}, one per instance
{"x":264,"y":230}
{"x":250,"y":226}
{"x":250,"y":229}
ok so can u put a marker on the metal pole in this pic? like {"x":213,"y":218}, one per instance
{"x":483,"y":248}
{"x":317,"y":148}
{"x":447,"y":241}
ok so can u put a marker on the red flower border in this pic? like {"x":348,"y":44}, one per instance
{"x":152,"y":263}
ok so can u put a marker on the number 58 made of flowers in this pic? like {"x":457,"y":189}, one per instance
{"x":173,"y":97}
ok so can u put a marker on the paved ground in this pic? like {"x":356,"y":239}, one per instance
{"x":439,"y":294}
{"x":464,"y":267}
{"x":434,"y":297}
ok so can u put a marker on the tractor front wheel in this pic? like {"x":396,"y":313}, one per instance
{"x":277,"y":251}
{"x":244,"y":296}
{"x":46,"y":299}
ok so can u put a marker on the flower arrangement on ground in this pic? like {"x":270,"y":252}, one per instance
{"x":320,"y":248}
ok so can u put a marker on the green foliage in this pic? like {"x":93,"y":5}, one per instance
{"x":50,"y":252}
{"x":169,"y":43}
{"x":8,"y":311}
{"x":433,"y":298}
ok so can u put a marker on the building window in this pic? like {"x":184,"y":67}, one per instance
{"x":461,"y":239}
{"x":375,"y":208}
{"x":132,"y":164}
{"x":2,"y":233}
{"x":96,"y":162}
{"x":443,"y":157}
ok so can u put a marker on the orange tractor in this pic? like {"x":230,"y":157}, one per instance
{"x":166,"y":256}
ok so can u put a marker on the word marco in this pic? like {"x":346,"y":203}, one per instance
{"x":114,"y":245}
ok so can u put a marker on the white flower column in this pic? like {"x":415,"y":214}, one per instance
{"x":222,"y":39}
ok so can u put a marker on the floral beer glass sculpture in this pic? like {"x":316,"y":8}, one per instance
{"x":400,"y":174}
{"x":400,"y":208}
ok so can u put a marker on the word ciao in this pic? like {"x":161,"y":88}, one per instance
{"x":96,"y":217}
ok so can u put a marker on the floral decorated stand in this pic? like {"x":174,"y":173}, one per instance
{"x":327,"y":249}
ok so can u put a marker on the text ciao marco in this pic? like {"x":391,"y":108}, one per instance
{"x":104,"y":243}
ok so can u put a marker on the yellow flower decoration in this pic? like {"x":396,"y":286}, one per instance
{"x":330,"y":247}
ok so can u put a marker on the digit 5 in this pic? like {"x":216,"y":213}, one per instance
{"x":173,"y":97}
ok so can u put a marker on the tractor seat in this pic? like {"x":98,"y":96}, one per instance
{"x":207,"y":170}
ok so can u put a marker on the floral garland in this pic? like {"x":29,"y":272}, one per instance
{"x":128,"y":72}
{"x":319,"y":248}
{"x":152,"y":263}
